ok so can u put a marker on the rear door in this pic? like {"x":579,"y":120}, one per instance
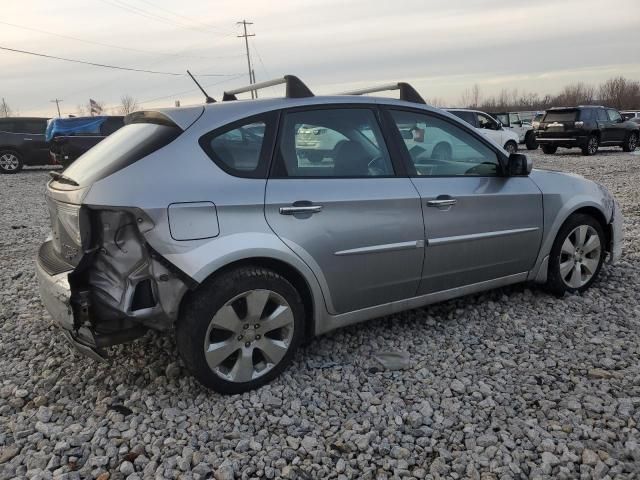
{"x":479,"y":226}
{"x":350,"y":216}
{"x":604,"y":125}
{"x":35,"y":147}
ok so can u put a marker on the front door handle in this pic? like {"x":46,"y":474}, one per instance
{"x":443,"y":202}
{"x":309,"y":209}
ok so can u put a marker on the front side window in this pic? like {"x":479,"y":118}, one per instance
{"x":485,"y":121}
{"x":441,"y":148}
{"x":602,"y":115}
{"x":503,"y":119}
{"x":239,"y":149}
{"x":338,"y":142}
{"x":614,"y":116}
{"x":513,"y":118}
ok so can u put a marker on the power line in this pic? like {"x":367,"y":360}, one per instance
{"x":113,"y":66}
{"x":92,"y":42}
{"x":153,"y":16}
{"x":192,"y":20}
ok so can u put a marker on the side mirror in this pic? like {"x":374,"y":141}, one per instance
{"x":519,"y":165}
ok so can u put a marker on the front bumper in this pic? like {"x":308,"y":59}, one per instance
{"x":617,"y":234}
{"x":55,"y":293}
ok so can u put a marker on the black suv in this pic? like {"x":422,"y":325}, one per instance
{"x":586,"y":127}
{"x":22,"y":142}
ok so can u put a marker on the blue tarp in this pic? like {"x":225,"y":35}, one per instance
{"x":74,"y":126}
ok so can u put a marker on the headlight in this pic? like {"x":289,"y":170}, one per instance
{"x":69,"y":217}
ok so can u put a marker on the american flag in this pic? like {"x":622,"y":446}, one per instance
{"x":96,"y":109}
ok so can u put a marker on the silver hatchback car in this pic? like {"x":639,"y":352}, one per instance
{"x":208,"y":221}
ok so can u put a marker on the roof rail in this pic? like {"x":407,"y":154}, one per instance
{"x":295,"y":88}
{"x":407,"y":92}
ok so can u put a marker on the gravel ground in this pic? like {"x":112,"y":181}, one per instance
{"x":513,"y":383}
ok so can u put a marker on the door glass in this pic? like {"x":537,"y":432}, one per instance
{"x":332,"y":143}
{"x":468,"y":117}
{"x":614,"y":116}
{"x":602,"y":115}
{"x":513,"y":118}
{"x":504,"y":119}
{"x":484,"y":121}
{"x":439,"y":148}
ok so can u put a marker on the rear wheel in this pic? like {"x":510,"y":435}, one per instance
{"x":591,"y":148}
{"x":10,"y":161}
{"x":240,"y":329}
{"x":577,"y":255}
{"x":631,"y":142}
{"x":549,"y":149}
{"x":511,"y":147}
{"x":530,"y":141}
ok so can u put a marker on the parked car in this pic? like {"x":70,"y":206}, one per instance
{"x":513,"y":122}
{"x":22,"y":142}
{"x":488,"y":126}
{"x":247,"y":250}
{"x":71,"y":137}
{"x":629,"y":115}
{"x":586,"y":127}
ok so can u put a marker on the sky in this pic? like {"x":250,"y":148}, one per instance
{"x":442,"y":47}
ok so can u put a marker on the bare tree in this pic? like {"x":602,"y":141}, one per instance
{"x":576,"y":94}
{"x":5,"y":109}
{"x":620,"y":93}
{"x":475,"y":96}
{"x":128,"y":104}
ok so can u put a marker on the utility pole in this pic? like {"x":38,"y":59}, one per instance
{"x":244,"y":23}
{"x":57,"y":102}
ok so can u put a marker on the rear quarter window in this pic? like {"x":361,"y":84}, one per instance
{"x":242,"y":148}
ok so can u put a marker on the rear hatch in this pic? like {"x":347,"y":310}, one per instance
{"x":143,"y":134}
{"x":559,"y":123}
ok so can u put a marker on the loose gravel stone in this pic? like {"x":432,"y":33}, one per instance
{"x":508,"y":384}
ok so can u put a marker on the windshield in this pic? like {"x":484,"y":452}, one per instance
{"x":561,"y":116}
{"x":119,"y":150}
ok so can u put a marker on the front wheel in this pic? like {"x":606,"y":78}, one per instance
{"x":511,"y":147}
{"x":577,"y":255}
{"x":549,"y":149}
{"x":631,"y":143}
{"x":591,"y":148}
{"x":240,"y":329}
{"x":10,"y":162}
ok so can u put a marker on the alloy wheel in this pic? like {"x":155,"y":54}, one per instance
{"x":592,"y":146}
{"x":580,"y":256}
{"x":249,"y":335}
{"x":633,"y":142}
{"x":9,"y":162}
{"x":511,"y":148}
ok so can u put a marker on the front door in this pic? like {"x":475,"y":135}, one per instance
{"x":355,"y":223}
{"x":490,"y":128}
{"x":616,"y":131}
{"x":479,"y":225}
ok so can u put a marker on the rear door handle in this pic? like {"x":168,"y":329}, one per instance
{"x":300,"y":209}
{"x":445,"y":202}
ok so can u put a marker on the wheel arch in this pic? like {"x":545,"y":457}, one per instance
{"x":286,"y":270}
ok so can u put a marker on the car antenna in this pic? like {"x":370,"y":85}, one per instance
{"x":206,"y":95}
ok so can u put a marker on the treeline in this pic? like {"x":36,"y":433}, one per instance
{"x":618,"y":92}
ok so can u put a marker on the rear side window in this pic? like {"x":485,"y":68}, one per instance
{"x":243,"y":148}
{"x":6,"y":126}
{"x":340,"y":142}
{"x":468,"y":117}
{"x":34,"y":127}
{"x":561,"y":116}
{"x":125,"y":147}
{"x":586,"y":114}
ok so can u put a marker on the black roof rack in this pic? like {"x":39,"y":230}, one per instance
{"x":407,"y":92}
{"x":295,"y":88}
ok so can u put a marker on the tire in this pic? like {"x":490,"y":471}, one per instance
{"x":631,"y":142}
{"x":591,"y":148}
{"x":530,"y":141}
{"x":249,"y":353}
{"x":10,"y":161}
{"x":442,"y":151}
{"x":549,"y":149}
{"x":577,"y":255}
{"x":511,"y":147}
